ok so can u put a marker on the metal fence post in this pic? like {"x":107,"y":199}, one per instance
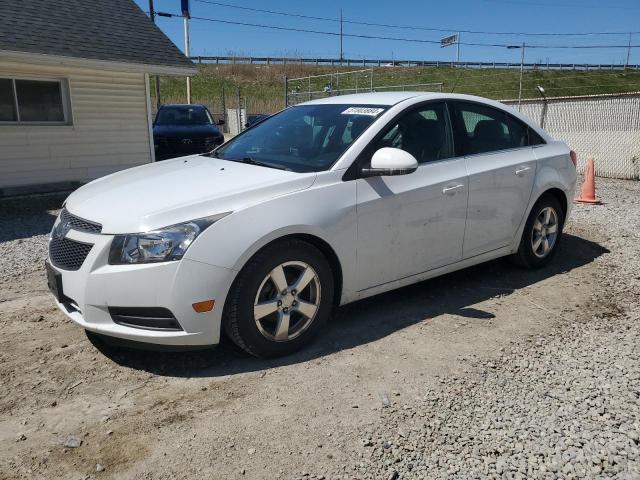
{"x":238,"y":114}
{"x":286,"y":93}
{"x":225,"y":125}
{"x":246,"y":112}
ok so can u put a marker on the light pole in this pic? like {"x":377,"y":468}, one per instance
{"x":341,"y":53}
{"x":522,"y":47}
{"x":545,"y":105}
{"x":152,"y":15}
{"x":187,"y":49}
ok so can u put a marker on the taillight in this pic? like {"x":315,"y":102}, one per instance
{"x":574,"y":158}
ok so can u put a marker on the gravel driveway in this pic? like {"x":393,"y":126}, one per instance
{"x":492,"y":372}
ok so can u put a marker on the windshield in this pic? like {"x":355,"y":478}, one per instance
{"x":183,"y":116}
{"x":305,"y":138}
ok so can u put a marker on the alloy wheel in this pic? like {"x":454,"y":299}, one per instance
{"x":545,"y":232}
{"x":287,"y":301}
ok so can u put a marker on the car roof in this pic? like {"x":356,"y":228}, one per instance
{"x":371,"y":98}
{"x":184,"y":106}
{"x":393,"y":98}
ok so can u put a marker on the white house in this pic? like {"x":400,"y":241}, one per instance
{"x":74,"y":90}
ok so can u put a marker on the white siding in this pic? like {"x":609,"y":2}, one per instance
{"x":109,"y":132}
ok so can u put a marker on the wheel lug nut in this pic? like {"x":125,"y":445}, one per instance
{"x":293,"y":292}
{"x":294,"y":303}
{"x":285,"y":309}
{"x":279,"y":302}
{"x":284,"y":292}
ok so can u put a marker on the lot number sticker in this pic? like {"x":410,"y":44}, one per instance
{"x":372,"y":112}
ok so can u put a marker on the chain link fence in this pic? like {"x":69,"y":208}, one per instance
{"x":603,"y":127}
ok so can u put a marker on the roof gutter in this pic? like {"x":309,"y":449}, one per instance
{"x":59,"y":60}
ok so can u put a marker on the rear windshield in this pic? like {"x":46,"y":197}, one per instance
{"x":305,"y":138}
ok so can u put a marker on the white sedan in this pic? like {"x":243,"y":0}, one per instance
{"x":324,"y":203}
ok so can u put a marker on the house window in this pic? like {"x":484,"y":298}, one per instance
{"x":30,"y":101}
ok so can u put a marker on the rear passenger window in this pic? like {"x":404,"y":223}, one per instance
{"x":485,"y":129}
{"x":534,"y":138}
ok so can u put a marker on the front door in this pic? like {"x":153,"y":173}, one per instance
{"x":412,"y":223}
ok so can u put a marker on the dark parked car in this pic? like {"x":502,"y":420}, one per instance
{"x":253,"y":119}
{"x":184,"y":130}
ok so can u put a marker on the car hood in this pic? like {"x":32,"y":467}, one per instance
{"x":187,"y":131}
{"x":173,"y":191}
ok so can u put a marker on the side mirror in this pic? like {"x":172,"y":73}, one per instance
{"x":390,"y":161}
{"x":220,"y":122}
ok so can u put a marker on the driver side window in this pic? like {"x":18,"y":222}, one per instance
{"x":423,"y":132}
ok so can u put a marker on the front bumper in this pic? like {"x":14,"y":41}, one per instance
{"x":176,"y":286}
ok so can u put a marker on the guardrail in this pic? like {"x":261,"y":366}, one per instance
{"x":351,"y":62}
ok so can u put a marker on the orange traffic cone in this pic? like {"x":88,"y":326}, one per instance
{"x":588,"y":192}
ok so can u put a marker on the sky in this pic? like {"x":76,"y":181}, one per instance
{"x":540,"y":16}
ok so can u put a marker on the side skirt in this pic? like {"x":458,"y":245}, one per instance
{"x":436,"y":272}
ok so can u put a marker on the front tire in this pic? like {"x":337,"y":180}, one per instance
{"x":542,"y":234}
{"x":280,"y":300}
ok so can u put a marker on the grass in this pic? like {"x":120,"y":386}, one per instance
{"x":262,"y":89}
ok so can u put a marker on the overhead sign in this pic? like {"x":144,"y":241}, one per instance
{"x":450,"y":40}
{"x":185,"y":8}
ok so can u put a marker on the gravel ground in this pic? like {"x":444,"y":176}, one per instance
{"x":491,"y":372}
{"x":26,"y":223}
{"x":565,"y":404}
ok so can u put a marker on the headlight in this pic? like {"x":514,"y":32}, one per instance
{"x":163,"y":245}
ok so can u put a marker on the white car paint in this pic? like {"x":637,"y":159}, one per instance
{"x":386,"y":232}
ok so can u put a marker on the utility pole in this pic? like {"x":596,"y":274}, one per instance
{"x":341,"y":56}
{"x":152,"y":15}
{"x":521,"y":73}
{"x":628,"y":53}
{"x":187,"y":49}
{"x":458,"y":49}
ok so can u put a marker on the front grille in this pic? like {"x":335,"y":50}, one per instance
{"x":68,"y":254}
{"x":187,"y":144}
{"x":77,"y":223}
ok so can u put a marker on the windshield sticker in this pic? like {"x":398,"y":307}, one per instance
{"x":372,"y":112}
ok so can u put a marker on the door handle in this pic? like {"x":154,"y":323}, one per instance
{"x":522,"y":170}
{"x":452,"y":189}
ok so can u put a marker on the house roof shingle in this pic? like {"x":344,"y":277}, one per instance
{"x":108,"y":30}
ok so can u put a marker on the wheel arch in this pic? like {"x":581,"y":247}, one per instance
{"x":554,"y":190}
{"x":321,"y":244}
{"x":560,"y":196}
{"x":331,"y":256}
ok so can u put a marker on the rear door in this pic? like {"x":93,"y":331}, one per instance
{"x":409,"y":224}
{"x":501,"y":166}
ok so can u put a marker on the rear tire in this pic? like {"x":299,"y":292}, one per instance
{"x":281,"y":299}
{"x":541,"y":234}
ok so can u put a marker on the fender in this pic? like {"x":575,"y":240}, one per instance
{"x":554,"y":172}
{"x":300,"y":212}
